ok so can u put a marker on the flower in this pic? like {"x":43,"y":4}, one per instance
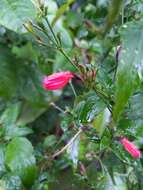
{"x":57,"y":80}
{"x":130,"y":147}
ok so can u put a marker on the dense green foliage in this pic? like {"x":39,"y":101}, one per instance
{"x":69,"y":139}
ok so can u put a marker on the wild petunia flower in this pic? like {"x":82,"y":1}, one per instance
{"x":130,"y":147}
{"x":57,"y":81}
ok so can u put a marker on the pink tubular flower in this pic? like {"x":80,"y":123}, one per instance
{"x":57,"y":81}
{"x":130,"y":147}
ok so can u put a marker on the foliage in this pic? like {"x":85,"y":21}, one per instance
{"x":70,"y":138}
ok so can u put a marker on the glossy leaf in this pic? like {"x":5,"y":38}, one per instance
{"x":130,"y":64}
{"x":101,"y":121}
{"x":134,"y":114}
{"x":20,"y":159}
{"x":10,"y":115}
{"x":11,"y":182}
{"x":2,"y":160}
{"x":29,"y":113}
{"x":15,"y":12}
{"x":12,"y":131}
{"x":108,"y":184}
{"x":88,"y":106}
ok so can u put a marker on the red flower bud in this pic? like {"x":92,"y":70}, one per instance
{"x":130,"y":147}
{"x":57,"y":80}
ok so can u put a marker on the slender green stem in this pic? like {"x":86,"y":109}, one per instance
{"x":57,"y":43}
{"x":51,"y":29}
{"x":72,"y":87}
{"x":42,"y":29}
{"x":67,"y":57}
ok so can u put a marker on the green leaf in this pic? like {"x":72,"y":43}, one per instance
{"x":15,"y":12}
{"x":88,"y":106}
{"x":7,"y":75}
{"x":107,"y":183}
{"x":10,"y":115}
{"x":113,"y":13}
{"x":74,"y":20}
{"x":60,"y":31}
{"x":20,"y":159}
{"x":8,"y":120}
{"x":50,"y":141}
{"x":2,"y":159}
{"x":11,"y":182}
{"x":26,"y":52}
{"x":135,"y":115}
{"x":66,"y":121}
{"x":31,"y":88}
{"x":101,"y":121}
{"x":12,"y":131}
{"x":29,"y":113}
{"x":130,"y":64}
{"x":62,"y":34}
{"x":61,"y":11}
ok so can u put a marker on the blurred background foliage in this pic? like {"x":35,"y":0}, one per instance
{"x":102,"y":36}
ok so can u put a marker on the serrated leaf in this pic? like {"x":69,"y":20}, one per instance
{"x":130,"y":64}
{"x":15,"y":12}
{"x":20,"y":159}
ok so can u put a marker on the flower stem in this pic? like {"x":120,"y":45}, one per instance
{"x":72,"y":87}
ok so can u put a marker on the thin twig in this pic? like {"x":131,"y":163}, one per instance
{"x":57,"y":107}
{"x":67,"y":145}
